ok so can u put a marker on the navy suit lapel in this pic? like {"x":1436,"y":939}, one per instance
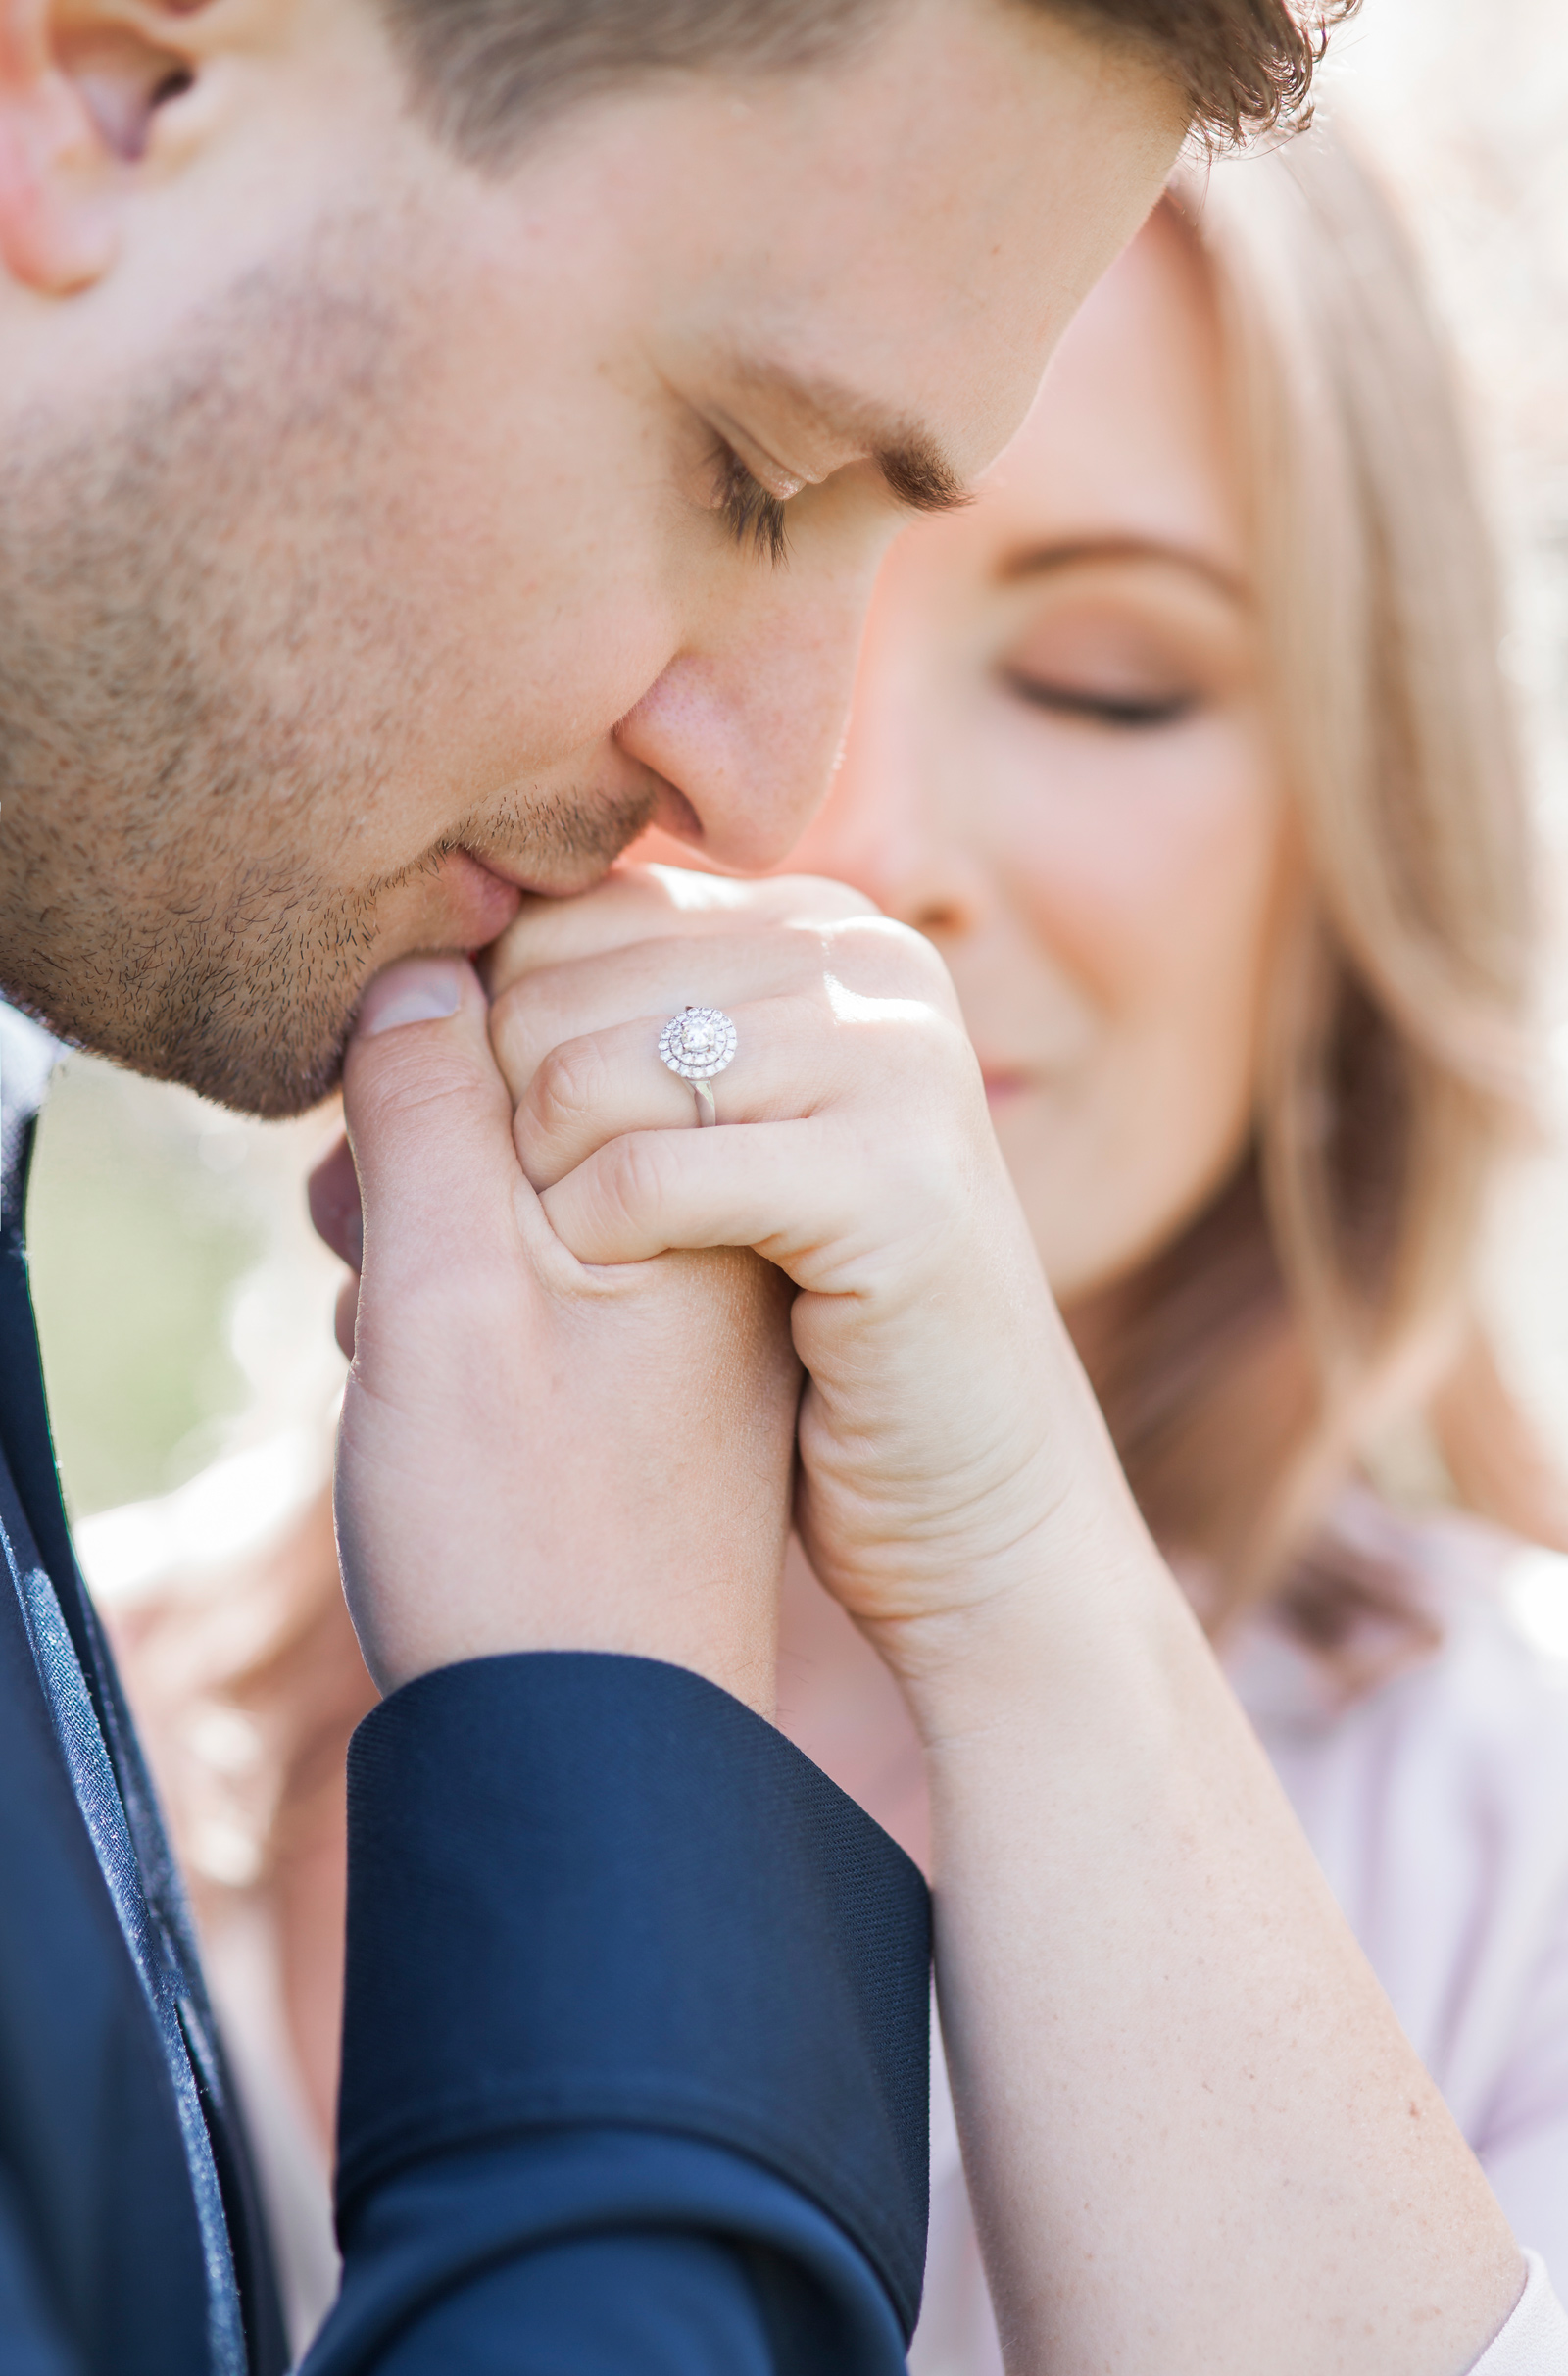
{"x":107,"y":1776}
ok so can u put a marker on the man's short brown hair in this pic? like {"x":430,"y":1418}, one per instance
{"x":482,"y":71}
{"x":1243,"y":66}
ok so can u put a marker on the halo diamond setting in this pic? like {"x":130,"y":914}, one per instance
{"x":698,"y":1043}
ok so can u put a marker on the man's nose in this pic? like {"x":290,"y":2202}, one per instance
{"x":747,"y":727}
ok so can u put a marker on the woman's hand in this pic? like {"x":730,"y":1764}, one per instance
{"x":1196,"y":2137}
{"x":944,"y":1429}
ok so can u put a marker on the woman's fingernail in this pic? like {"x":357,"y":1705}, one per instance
{"x":426,"y":992}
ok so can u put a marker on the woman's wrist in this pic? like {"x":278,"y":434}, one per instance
{"x":1156,"y":2019}
{"x":1079,"y":1615}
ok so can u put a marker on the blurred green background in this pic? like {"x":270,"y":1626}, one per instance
{"x":156,"y":1224}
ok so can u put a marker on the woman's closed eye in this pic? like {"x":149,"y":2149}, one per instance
{"x":1129,"y":711}
{"x":1147,"y":648}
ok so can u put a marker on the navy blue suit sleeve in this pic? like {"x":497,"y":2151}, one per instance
{"x":31,"y":2342}
{"x":635,"y":2047}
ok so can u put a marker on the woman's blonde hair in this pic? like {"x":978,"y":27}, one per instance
{"x":1330,"y":1287}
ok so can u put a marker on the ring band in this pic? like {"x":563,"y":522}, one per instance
{"x":698,"y":1044}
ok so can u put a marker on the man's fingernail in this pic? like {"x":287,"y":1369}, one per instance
{"x":409,"y":994}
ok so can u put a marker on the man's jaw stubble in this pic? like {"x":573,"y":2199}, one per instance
{"x":203,"y":655}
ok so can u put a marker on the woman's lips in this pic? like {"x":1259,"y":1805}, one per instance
{"x":1002,"y":1084}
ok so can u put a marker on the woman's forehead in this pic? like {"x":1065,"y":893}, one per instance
{"x":1127,"y":441}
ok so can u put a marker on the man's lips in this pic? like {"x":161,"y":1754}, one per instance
{"x":568,"y":879}
{"x":479,"y":901}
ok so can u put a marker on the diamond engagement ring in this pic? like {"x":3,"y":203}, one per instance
{"x":699,"y":1043}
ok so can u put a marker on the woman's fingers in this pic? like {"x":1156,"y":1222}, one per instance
{"x":642,"y":985}
{"x":650,"y":902}
{"x":655,"y":976}
{"x":825,"y":1155}
{"x":609,"y":1084}
{"x":808,"y":1053}
{"x":656,"y":1191}
{"x":848,"y":1041}
{"x":836,"y":970}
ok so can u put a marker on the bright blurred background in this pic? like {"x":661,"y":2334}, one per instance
{"x":185,"y":1311}
{"x":184,"y":1307}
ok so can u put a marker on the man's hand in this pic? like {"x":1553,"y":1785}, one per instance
{"x":535,"y":1453}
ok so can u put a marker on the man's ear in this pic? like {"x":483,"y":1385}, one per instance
{"x":81,"y":83}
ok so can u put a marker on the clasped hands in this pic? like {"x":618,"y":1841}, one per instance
{"x":602,"y":1358}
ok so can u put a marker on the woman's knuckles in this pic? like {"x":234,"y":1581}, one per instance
{"x":628,"y":906}
{"x":615,"y":1208}
{"x":573,"y":1084}
{"x":632,"y":923}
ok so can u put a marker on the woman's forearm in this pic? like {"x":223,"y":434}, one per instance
{"x":1195,"y":2136}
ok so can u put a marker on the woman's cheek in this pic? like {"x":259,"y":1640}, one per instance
{"x":1094,"y":853}
{"x":1147,"y":858}
{"x":1148,"y":870}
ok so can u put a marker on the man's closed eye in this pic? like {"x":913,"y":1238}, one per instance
{"x":755,"y":517}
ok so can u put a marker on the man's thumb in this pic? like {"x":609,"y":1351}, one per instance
{"x":428,"y":1119}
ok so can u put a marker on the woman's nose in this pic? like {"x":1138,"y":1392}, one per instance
{"x":889,"y":828}
{"x":930,"y":888}
{"x":937,"y":901}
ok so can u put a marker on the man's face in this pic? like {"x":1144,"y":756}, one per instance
{"x":371,"y":543}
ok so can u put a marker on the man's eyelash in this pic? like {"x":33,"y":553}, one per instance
{"x":754,"y":516}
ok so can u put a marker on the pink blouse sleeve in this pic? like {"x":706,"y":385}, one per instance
{"x":1520,"y":2136}
{"x":1534,"y":2341}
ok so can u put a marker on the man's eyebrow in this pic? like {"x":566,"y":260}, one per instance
{"x":913,"y":464}
{"x":1083,"y":552}
{"x":920,"y":476}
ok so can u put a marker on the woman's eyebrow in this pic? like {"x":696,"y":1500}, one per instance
{"x":1039,"y":561}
